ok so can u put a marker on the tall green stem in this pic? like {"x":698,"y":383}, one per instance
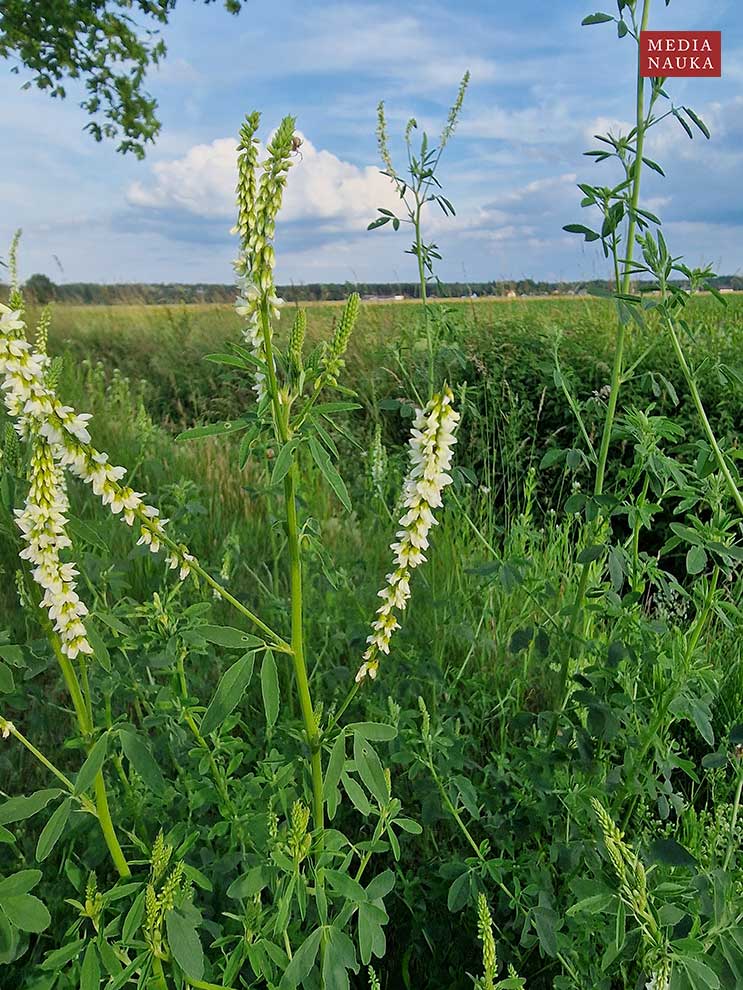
{"x":83,"y":707}
{"x":291,"y":483}
{"x":281,"y":424}
{"x":424,"y":293}
{"x":616,"y":373}
{"x":300,"y":665}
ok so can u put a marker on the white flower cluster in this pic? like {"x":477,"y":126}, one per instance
{"x":431,"y":450}
{"x":42,"y":524}
{"x":61,"y":440}
{"x":248,"y":307}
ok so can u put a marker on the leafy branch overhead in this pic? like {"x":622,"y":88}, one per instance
{"x":109,"y":45}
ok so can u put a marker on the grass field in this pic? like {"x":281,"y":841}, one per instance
{"x":375,"y":645}
{"x":165,"y":344}
{"x":503,"y":800}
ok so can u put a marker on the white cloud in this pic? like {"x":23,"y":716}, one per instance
{"x":321,"y":187}
{"x":518,"y":211}
{"x":200,"y":183}
{"x":532,"y":125}
{"x":603,"y":125}
{"x":178,"y":71}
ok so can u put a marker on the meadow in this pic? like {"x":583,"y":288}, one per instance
{"x":377,"y":645}
{"x":504,"y":809}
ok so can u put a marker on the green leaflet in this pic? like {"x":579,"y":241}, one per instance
{"x":229,"y":693}
{"x":270,"y":688}
{"x":53,"y":830}
{"x":185,"y":944}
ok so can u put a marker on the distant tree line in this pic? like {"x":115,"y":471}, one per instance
{"x":41,"y":289}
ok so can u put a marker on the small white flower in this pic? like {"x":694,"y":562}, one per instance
{"x":368,"y":669}
{"x":659,"y":981}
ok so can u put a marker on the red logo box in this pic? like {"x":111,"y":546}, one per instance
{"x":681,"y":53}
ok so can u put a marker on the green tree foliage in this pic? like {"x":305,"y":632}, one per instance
{"x":41,"y":289}
{"x":163,"y":293}
{"x":109,"y":44}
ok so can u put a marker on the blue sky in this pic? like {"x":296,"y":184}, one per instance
{"x":541,"y":86}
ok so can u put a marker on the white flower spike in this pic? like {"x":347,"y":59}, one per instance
{"x":431,"y":450}
{"x":60,"y":440}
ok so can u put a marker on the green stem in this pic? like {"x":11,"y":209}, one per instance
{"x":291,"y":484}
{"x":734,"y":820}
{"x":375,"y":839}
{"x":7,"y":727}
{"x":342,"y":710}
{"x":465,"y":831}
{"x":567,"y":656}
{"x":703,"y":615}
{"x":277,"y":642}
{"x":636,"y":535}
{"x":345,"y":916}
{"x":300,"y":665}
{"x":454,"y":813}
{"x":660,"y":717}
{"x":85,"y":687}
{"x":701,"y":412}
{"x":219,"y":780}
{"x":72,"y":684}
{"x":181,"y":671}
{"x":424,"y":294}
{"x":107,"y":827}
{"x":83,"y":710}
{"x":121,"y":774}
{"x":616,"y":374}
{"x":161,"y":982}
{"x":281,"y":426}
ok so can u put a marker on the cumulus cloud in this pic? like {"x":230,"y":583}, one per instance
{"x":321,"y":187}
{"x":520,"y":212}
{"x":200,"y":183}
